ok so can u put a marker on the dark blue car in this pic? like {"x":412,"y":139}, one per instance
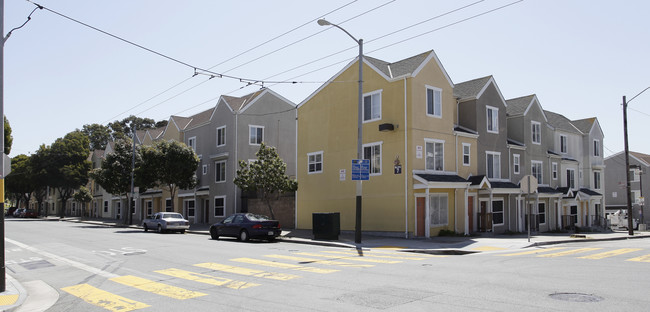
{"x":245,"y":226}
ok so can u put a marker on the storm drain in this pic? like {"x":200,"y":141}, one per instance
{"x":576,"y":297}
{"x":38,"y":264}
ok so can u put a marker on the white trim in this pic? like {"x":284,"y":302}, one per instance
{"x":224,"y":169}
{"x":426,"y":98}
{"x":225,"y":133}
{"x":363,"y":108}
{"x":381,"y":156}
{"x":214,"y":212}
{"x":566,"y":144}
{"x":516,"y":168}
{"x":434,"y":141}
{"x":193,"y":145}
{"x":469,"y":154}
{"x":250,"y":128}
{"x":497,"y":175}
{"x":321,"y":162}
{"x":532,"y":132}
{"x":495,"y":118}
{"x":554,"y":171}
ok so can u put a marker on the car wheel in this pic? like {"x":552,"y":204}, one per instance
{"x":214,"y":233}
{"x":159,"y":228}
{"x":271,"y":239}
{"x":182,"y":231}
{"x":146,"y":228}
{"x":243,"y":236}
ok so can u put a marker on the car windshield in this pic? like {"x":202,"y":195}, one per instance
{"x":255,"y":217}
{"x":173,"y":216}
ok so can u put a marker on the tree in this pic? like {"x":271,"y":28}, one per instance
{"x":68,"y":166}
{"x":266,"y":176}
{"x":123,"y":128}
{"x":8,"y":138}
{"x":168,"y":164}
{"x":84,"y":196}
{"x":99,"y":135}
{"x":39,"y":162}
{"x":115,"y":173}
{"x":20,"y":182}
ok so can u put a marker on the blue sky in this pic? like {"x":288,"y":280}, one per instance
{"x":578,"y":56}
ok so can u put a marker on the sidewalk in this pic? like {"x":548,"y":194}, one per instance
{"x":15,"y":295}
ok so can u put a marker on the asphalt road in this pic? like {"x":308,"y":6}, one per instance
{"x":95,"y":268}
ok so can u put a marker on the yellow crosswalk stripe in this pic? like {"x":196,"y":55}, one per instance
{"x":374,"y":255}
{"x":246,"y":271}
{"x":568,"y":252}
{"x":157,"y":288}
{"x":530,"y":252}
{"x":326,"y":262}
{"x":104,"y":299}
{"x":206,"y":279}
{"x":610,"y":253}
{"x":352,"y":258}
{"x":645,"y":258}
{"x":488,"y":248}
{"x":284,"y":265}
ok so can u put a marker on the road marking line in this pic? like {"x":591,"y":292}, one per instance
{"x":73,"y":263}
{"x":104,"y":299}
{"x":611,"y":253}
{"x":6,"y":300}
{"x":353,"y":258}
{"x":373,"y":255}
{"x":157,"y":288}
{"x":326,"y":262}
{"x":530,"y":252}
{"x":284,"y":265}
{"x":645,"y":258}
{"x":568,"y":252}
{"x":488,"y":248}
{"x":206,"y":279}
{"x":246,"y":271}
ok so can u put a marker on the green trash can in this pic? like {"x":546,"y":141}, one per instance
{"x":326,"y":225}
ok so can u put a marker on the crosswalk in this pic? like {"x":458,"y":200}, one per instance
{"x":253,"y":271}
{"x":582,"y":253}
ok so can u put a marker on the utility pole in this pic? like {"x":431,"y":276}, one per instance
{"x":3,"y":285}
{"x":630,"y":224}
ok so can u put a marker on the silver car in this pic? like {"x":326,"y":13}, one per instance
{"x":166,"y":221}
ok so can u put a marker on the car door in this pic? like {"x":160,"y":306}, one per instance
{"x":226,"y":226}
{"x":237,"y":224}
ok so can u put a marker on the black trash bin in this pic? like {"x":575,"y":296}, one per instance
{"x":326,"y":225}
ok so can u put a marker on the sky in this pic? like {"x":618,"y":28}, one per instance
{"x":580,"y":57}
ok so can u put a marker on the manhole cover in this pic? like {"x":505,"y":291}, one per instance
{"x":576,"y":297}
{"x":38,"y":264}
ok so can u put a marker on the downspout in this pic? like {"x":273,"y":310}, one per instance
{"x":236,"y":156}
{"x":466,"y":217}
{"x":406,"y":171}
{"x":295,"y":202}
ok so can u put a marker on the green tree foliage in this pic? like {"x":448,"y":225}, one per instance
{"x":99,"y":135}
{"x":84,"y":196}
{"x":123,"y":128}
{"x":8,"y":138}
{"x":67,"y":165}
{"x":39,"y":163}
{"x":115,"y":173}
{"x":168,"y":164}
{"x":266,"y":176}
{"x":20,"y":182}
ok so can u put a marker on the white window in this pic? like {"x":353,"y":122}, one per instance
{"x":596,"y":148}
{"x":634,"y":175}
{"x":536,"y":170}
{"x":220,"y":206}
{"x":434,"y":101}
{"x":497,"y":212}
{"x":372,"y":152}
{"x":536,"y":131}
{"x":493,"y":165}
{"x":220,"y":171}
{"x":515,"y":163}
{"x":315,"y":162}
{"x":255,"y":135}
{"x":372,"y":106}
{"x":466,"y":153}
{"x":492,"y":119}
{"x":570,"y":178}
{"x":438,"y":210}
{"x":563,"y":147}
{"x":221,"y":136}
{"x":191,"y":142}
{"x":554,"y":169}
{"x":189,"y":207}
{"x":597,"y":180}
{"x":434,"y":155}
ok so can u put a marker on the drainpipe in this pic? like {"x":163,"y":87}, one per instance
{"x":295,"y":202}
{"x":406,"y":172}
{"x":236,"y":158}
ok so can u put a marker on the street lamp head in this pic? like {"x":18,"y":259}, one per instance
{"x":323,"y":22}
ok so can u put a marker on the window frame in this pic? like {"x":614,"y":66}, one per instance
{"x":467,"y":155}
{"x":191,"y":142}
{"x":443,"y":217}
{"x":258,"y":141}
{"x":148,"y":204}
{"x":186,"y":206}
{"x":497,"y":173}
{"x":516,"y":163}
{"x":426,"y":155}
{"x":596,"y":145}
{"x":536,"y":132}
{"x":221,"y":136}
{"x":219,"y":170}
{"x":563,"y":144}
{"x":314,"y":162}
{"x":571,"y":178}
{"x":223,"y":214}
{"x":374,"y":169}
{"x":434,"y":91}
{"x":501,"y":212}
{"x":536,"y":173}
{"x":494,"y":120}
{"x":371,"y":95}
{"x":554,"y":170}
{"x":597,"y":183}
{"x":205,"y":169}
{"x":541,"y":213}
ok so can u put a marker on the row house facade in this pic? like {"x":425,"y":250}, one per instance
{"x":616,"y":189}
{"x":444,"y":156}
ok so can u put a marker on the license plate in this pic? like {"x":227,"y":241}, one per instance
{"x":271,"y":233}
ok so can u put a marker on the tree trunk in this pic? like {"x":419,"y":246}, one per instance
{"x":268,"y":204}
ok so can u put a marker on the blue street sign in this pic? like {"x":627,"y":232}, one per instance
{"x":360,"y":169}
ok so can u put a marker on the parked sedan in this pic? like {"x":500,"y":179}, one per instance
{"x":245,"y":226}
{"x":166,"y":221}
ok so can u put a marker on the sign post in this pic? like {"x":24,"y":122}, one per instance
{"x":528,"y":185}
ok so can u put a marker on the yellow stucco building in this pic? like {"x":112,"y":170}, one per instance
{"x":420,"y":159}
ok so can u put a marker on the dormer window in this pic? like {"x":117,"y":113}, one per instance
{"x":434,"y":101}
{"x":536,"y":132}
{"x":492,"y":119}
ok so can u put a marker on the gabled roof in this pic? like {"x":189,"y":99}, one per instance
{"x":200,"y":118}
{"x":584,"y":125}
{"x":140,"y":134}
{"x":180,"y":122}
{"x":236,"y":104}
{"x":590,"y":192}
{"x":521,"y":106}
{"x":644,"y":158}
{"x":470,"y":89}
{"x":156,"y":133}
{"x":559,"y":122}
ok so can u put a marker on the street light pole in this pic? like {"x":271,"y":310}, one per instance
{"x":357,"y":224}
